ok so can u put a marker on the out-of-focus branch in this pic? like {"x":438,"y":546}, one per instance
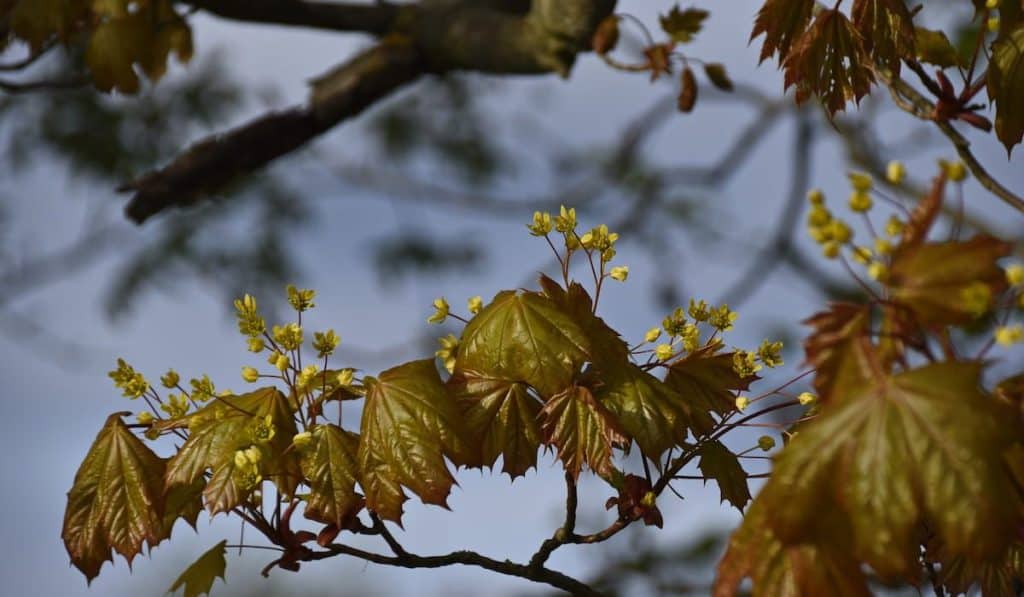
{"x":377,"y":18}
{"x":434,"y":38}
{"x":912,"y":102}
{"x":43,"y":85}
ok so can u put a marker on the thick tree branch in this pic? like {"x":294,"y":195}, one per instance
{"x":378,"y":18}
{"x":432,"y":38}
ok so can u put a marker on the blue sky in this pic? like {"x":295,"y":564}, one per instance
{"x":53,"y":408}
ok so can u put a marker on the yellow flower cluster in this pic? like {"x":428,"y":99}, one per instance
{"x":202,"y":389}
{"x":325,"y":342}
{"x":301,"y":299}
{"x":247,"y":468}
{"x":176,"y":406}
{"x":976,"y":298}
{"x":447,"y":352}
{"x":250,"y":323}
{"x":262,"y":430}
{"x":288,"y":336}
{"x":132,"y":383}
{"x":441,"y":310}
{"x":1008,"y":335}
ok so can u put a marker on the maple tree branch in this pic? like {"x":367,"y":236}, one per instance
{"x":434,"y":39}
{"x":377,"y":18}
{"x":911,"y":101}
{"x":465,"y":558}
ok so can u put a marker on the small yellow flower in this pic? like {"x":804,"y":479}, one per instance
{"x":815,"y":197}
{"x":253,"y":455}
{"x":976,"y":298}
{"x":830,"y":249}
{"x":770,"y":353}
{"x":766,"y":443}
{"x":262,"y":430}
{"x":742,"y":402}
{"x":565,"y":221}
{"x":883,"y":246}
{"x":607,"y":255}
{"x":249,"y":321}
{"x":345,"y":377}
{"x":649,"y":500}
{"x":541,"y":225}
{"x":860,"y":181}
{"x":307,"y":375}
{"x":674,"y":322}
{"x":170,"y":379}
{"x":862,"y":255}
{"x":620,"y":273}
{"x":132,"y":383}
{"x":652,"y":335}
{"x":806,"y":398}
{"x":691,"y":337}
{"x":256,"y":345}
{"x":894,"y":227}
{"x":440,"y":311}
{"x":699,"y":310}
{"x":250,"y":374}
{"x":744,"y":363}
{"x":722,"y":318}
{"x":176,"y":406}
{"x":240,"y":460}
{"x":325,"y":343}
{"x":301,"y":299}
{"x":841,"y":231}
{"x":449,"y":348}
{"x":819,"y":234}
{"x":1015,"y":274}
{"x":282,"y":362}
{"x":288,"y":336}
{"x":991,"y":4}
{"x":860,"y":201}
{"x":202,"y":388}
{"x":992,"y":24}
{"x":895,"y":172}
{"x":571,"y":242}
{"x":956,"y":171}
{"x":475,"y":304}
{"x":664,"y":352}
{"x":819,"y":216}
{"x":301,"y":440}
{"x":1008,"y":335}
{"x":878,"y":271}
{"x":145,"y":418}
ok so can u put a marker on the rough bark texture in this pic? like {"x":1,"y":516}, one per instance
{"x":506,"y":37}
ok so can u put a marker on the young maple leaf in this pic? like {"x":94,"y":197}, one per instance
{"x":887,"y":29}
{"x":782,"y":22}
{"x":829,"y":61}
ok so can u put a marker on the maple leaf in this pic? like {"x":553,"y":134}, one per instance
{"x":35,"y":21}
{"x":719,"y":463}
{"x":198,"y":578}
{"x":524,"y":337}
{"x":778,"y":570}
{"x":330,"y":464}
{"x":605,"y":347}
{"x":222,"y":428}
{"x":502,"y":417}
{"x":683,"y":25}
{"x":1006,"y":86}
{"x":836,"y":349}
{"x":782,"y":22}
{"x":940,"y":282}
{"x":921,"y":220}
{"x":922,"y":446}
{"x":650,"y":411}
{"x":829,"y":62}
{"x":182,"y":502}
{"x":116,"y":502}
{"x":887,"y":29}
{"x":998,"y":577}
{"x":144,"y":39}
{"x":706,"y":381}
{"x":935,"y":48}
{"x":582,"y":430}
{"x":409,"y":425}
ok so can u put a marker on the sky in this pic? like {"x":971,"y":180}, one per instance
{"x":53,"y":406}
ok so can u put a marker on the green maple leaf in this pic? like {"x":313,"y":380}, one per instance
{"x":829,"y":62}
{"x":409,"y":425}
{"x":502,"y":417}
{"x":778,"y":570}
{"x":935,"y":48}
{"x":720,"y":464}
{"x":143,"y":40}
{"x":683,"y":25}
{"x":706,"y":381}
{"x":887,"y":29}
{"x":940,"y":282}
{"x":605,"y":347}
{"x":782,"y":22}
{"x":116,"y":502}
{"x":198,"y":578}
{"x":35,"y":21}
{"x":222,"y":428}
{"x":183,"y":502}
{"x":923,"y":446}
{"x":330,"y":464}
{"x":582,"y":430}
{"x":650,"y":411}
{"x":836,"y":348}
{"x":524,"y":337}
{"x":1006,"y":86}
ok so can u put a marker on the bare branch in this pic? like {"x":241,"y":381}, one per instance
{"x":377,"y":18}
{"x":29,"y":86}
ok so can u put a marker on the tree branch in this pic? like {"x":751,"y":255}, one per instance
{"x":434,"y":38}
{"x":377,"y":18}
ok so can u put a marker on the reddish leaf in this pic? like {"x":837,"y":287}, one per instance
{"x":687,"y":91}
{"x":409,"y":425}
{"x":1006,"y":86}
{"x":783,"y":23}
{"x":837,"y":349}
{"x":683,"y":25}
{"x":635,"y":502}
{"x":116,"y":502}
{"x":582,"y":431}
{"x":502,"y":419}
{"x":706,"y":381}
{"x":887,"y":29}
{"x":329,"y":462}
